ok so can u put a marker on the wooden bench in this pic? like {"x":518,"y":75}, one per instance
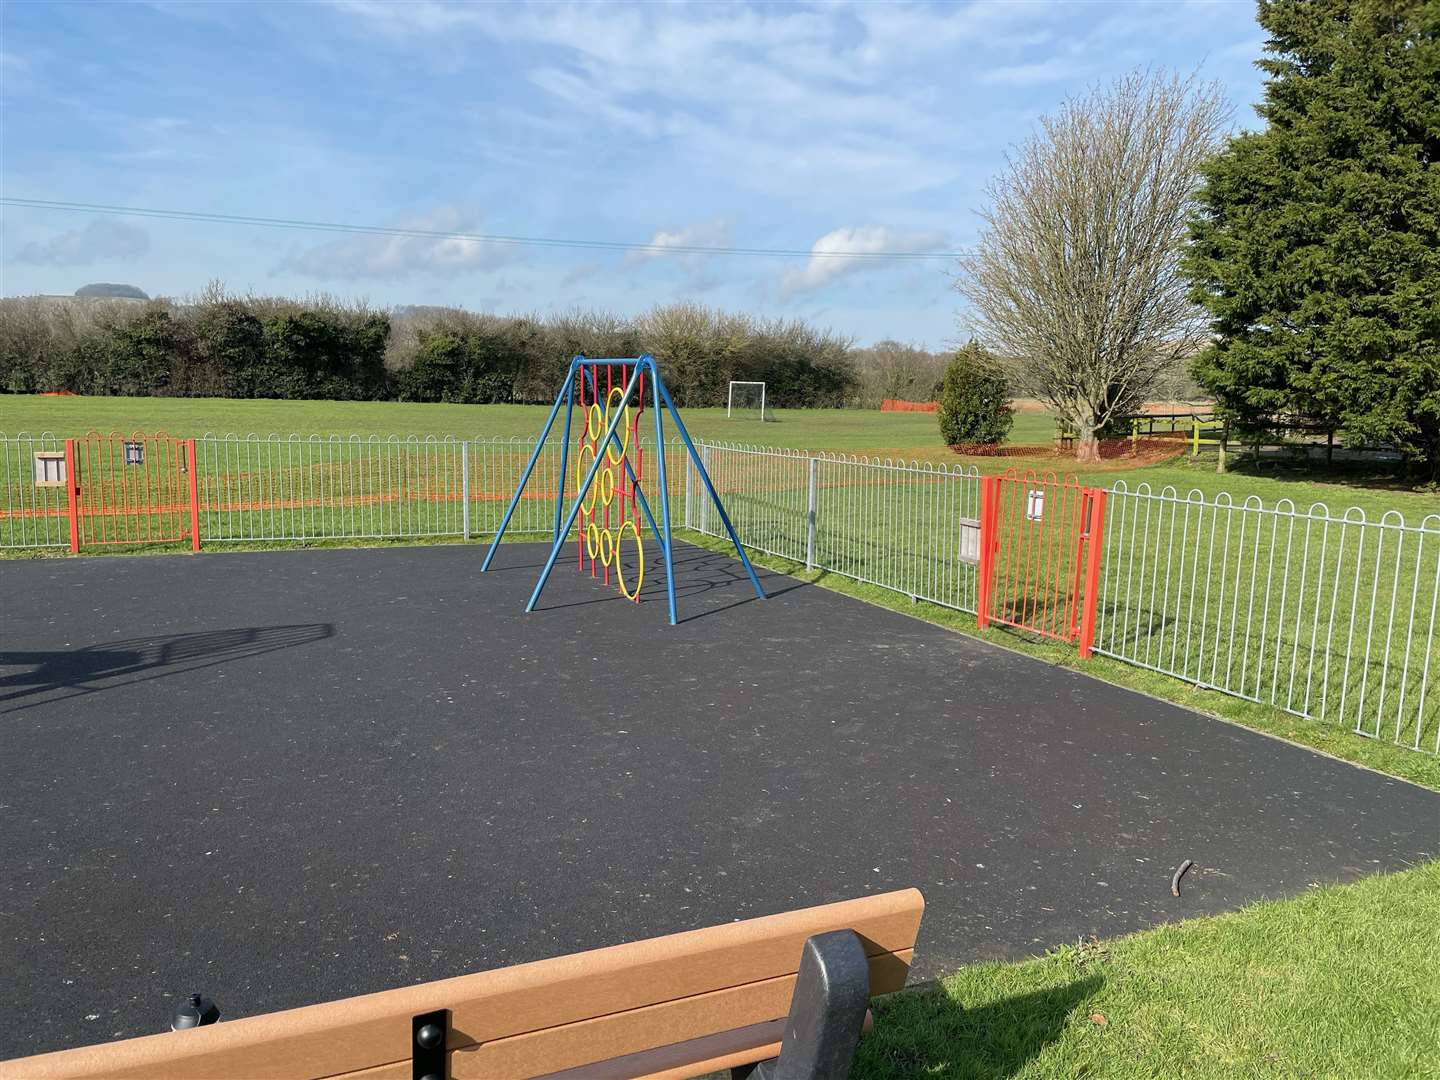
{"x":678,"y":1006}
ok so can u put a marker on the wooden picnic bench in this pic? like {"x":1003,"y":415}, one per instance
{"x":788,"y":991}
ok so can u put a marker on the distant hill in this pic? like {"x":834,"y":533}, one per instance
{"x":102,"y":288}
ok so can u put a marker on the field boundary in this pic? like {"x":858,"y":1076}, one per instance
{"x":1323,"y":615}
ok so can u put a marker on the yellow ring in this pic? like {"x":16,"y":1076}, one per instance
{"x":624,"y":424}
{"x":592,"y":536}
{"x":639,"y":554}
{"x":589,"y":503}
{"x":607,"y":547}
{"x":594,"y":422}
{"x":606,"y":485}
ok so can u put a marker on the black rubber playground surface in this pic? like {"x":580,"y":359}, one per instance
{"x":284,"y":777}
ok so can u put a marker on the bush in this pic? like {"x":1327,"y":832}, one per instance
{"x":224,"y":345}
{"x":974,"y":400}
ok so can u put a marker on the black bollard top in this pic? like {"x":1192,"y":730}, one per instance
{"x":196,"y":1010}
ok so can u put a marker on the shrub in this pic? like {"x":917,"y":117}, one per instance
{"x":974,"y":399}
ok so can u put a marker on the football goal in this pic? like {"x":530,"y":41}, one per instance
{"x":747,"y":401}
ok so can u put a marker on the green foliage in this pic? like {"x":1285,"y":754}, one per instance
{"x":315,"y":354}
{"x":137,"y":354}
{"x":466,"y":365}
{"x":259,"y":347}
{"x":700,"y":350}
{"x":974,"y":400}
{"x":231,"y":341}
{"x":1316,"y":248}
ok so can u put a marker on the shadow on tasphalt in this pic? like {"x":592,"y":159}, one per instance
{"x":697,"y":572}
{"x":62,"y":673}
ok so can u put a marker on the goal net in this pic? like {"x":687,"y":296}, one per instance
{"x":747,"y":401}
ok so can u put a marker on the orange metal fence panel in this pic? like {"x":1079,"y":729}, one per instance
{"x":1040,"y":555}
{"x":132,"y":489}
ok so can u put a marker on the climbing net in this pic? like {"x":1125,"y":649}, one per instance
{"x":609,"y":511}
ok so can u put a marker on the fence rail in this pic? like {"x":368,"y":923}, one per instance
{"x":1323,"y":616}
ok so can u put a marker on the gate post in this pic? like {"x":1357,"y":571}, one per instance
{"x":1093,"y":551}
{"x":194,"y":495}
{"x":989,"y":506}
{"x":72,"y":493}
{"x":810,"y":513}
{"x":465,"y":489}
{"x":705,"y":503}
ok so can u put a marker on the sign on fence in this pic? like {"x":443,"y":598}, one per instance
{"x":50,"y":468}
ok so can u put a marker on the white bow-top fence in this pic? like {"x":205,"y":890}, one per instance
{"x":1324,"y":614}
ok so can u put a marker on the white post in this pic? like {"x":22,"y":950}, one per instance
{"x":705,"y":503}
{"x":810,"y":516}
{"x":689,"y":490}
{"x":465,"y":488}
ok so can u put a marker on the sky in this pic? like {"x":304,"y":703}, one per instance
{"x":837,"y":128}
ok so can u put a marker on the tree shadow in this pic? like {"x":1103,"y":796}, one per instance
{"x":927,"y":1032}
{"x":1387,"y":475}
{"x":59,"y":674}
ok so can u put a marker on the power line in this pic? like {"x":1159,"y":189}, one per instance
{"x":484,"y":238}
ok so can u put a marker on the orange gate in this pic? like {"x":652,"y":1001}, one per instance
{"x":132,"y":489}
{"x":1040,"y":543}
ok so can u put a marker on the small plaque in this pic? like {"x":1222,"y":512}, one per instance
{"x":134,"y":453}
{"x":49,"y":468}
{"x":970,"y":541}
{"x":1035,"y":504}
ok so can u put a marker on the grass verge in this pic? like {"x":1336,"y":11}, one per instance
{"x":1340,"y":982}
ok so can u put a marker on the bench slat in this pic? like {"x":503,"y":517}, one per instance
{"x":632,"y":1033}
{"x":357,"y":1034}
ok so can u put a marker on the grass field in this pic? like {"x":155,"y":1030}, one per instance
{"x":901,"y":436}
{"x":860,"y":430}
{"x":1342,"y":982}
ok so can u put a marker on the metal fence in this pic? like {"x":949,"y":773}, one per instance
{"x":30,"y":516}
{"x":881,"y":522}
{"x":1324,"y":616}
{"x":299,"y":488}
{"x":1331,"y":618}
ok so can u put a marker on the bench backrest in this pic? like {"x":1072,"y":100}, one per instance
{"x":675,"y":1006}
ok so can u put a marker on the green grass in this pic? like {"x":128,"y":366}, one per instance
{"x":1340,"y":982}
{"x":188,"y":417}
{"x":854,"y":431}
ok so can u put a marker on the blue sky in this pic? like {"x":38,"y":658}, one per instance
{"x":871,"y":127}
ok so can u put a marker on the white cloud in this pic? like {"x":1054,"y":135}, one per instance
{"x":395,"y":257}
{"x":828,"y":259}
{"x":100,"y":239}
{"x":701,"y":234}
{"x":801,"y":103}
{"x":1056,"y":69}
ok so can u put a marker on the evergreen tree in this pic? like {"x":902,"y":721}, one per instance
{"x":1316,"y":248}
{"x":974,"y":400}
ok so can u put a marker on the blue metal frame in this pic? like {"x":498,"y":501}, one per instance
{"x":661,"y":530}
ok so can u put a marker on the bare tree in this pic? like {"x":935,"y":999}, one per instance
{"x":1076,"y":283}
{"x":892,"y":369}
